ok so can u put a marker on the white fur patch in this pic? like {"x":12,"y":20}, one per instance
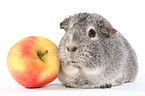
{"x":71,"y":38}
{"x":72,"y":70}
{"x":92,"y":71}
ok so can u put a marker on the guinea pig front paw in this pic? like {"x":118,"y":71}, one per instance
{"x":106,"y":86}
{"x":69,"y":86}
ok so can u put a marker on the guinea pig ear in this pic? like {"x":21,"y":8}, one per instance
{"x":107,"y":31}
{"x":64,"y":24}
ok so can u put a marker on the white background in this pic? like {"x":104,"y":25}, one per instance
{"x":23,"y":18}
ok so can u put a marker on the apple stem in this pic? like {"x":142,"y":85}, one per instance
{"x":43,"y":54}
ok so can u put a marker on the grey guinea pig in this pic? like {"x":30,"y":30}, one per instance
{"x":93,"y":54}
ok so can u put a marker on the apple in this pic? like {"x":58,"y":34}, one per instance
{"x":33,"y":61}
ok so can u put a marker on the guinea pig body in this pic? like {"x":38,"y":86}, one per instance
{"x":93,"y":54}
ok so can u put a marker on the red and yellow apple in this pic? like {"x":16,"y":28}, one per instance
{"x":33,"y":61}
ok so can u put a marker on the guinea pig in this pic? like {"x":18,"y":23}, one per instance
{"x":93,"y":54}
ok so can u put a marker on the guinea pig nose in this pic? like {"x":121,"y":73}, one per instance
{"x":74,"y":49}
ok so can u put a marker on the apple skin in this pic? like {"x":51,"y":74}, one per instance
{"x":25,"y":65}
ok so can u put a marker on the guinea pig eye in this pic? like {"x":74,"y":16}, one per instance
{"x":91,"y":33}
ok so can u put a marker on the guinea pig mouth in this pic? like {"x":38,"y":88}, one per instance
{"x":73,"y":62}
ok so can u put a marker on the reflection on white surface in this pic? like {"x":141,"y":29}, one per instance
{"x":56,"y":88}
